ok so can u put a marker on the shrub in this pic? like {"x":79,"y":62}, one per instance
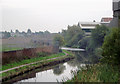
{"x":111,"y":47}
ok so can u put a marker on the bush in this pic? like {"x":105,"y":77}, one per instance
{"x":111,"y":47}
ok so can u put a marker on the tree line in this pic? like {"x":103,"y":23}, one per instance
{"x":104,"y":42}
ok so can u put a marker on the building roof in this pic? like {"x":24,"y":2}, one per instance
{"x":106,"y":19}
{"x":88,"y":25}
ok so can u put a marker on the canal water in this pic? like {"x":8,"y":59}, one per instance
{"x":58,"y":73}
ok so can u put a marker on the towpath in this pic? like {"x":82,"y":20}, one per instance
{"x":30,"y":64}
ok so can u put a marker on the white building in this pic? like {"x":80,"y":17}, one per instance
{"x":88,"y":26}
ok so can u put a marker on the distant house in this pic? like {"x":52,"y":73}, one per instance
{"x":88,"y":26}
{"x":116,"y":14}
{"x":106,"y":21}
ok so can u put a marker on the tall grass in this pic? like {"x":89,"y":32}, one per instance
{"x":96,"y":73}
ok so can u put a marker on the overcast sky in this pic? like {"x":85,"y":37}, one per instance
{"x":51,"y":15}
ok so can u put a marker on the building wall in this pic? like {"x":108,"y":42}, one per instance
{"x":116,"y":14}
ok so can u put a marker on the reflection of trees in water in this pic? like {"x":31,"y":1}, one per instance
{"x":73,"y":63}
{"x":82,"y":58}
{"x":85,"y":57}
{"x":59,"y":69}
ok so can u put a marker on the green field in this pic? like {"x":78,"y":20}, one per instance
{"x":9,"y":49}
{"x":6,"y":48}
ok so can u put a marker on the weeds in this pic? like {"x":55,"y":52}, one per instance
{"x":96,"y":73}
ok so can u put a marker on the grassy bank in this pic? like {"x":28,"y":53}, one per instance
{"x":21,"y":70}
{"x":26,"y":61}
{"x":96,"y":73}
{"x":69,"y":53}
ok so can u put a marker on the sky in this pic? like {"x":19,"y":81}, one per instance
{"x":51,"y":15}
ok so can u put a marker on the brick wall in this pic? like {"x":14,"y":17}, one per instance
{"x":18,"y":55}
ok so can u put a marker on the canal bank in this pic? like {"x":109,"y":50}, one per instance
{"x":25,"y":69}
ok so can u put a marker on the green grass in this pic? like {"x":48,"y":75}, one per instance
{"x":22,"y":69}
{"x":96,"y":73}
{"x":68,"y":52}
{"x":5,"y":47}
{"x":11,"y":65}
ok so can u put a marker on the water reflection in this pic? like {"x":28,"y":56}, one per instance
{"x":59,"y":69}
{"x":58,"y":73}
{"x":86,"y":57}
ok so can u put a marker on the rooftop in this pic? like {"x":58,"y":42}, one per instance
{"x":106,"y":19}
{"x":88,"y":25}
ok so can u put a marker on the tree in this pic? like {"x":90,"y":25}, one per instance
{"x":72,"y":35}
{"x":98,"y":35}
{"x":83,"y":43}
{"x":16,"y":31}
{"x":6,"y":34}
{"x":11,"y":31}
{"x":47,"y":32}
{"x":59,"y":40}
{"x":111,"y":47}
{"x":29,"y":31}
{"x":40,"y":32}
{"x":59,"y":69}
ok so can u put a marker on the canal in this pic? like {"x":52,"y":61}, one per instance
{"x":58,"y":73}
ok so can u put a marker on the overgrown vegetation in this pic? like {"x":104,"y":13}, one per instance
{"x":96,"y":73}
